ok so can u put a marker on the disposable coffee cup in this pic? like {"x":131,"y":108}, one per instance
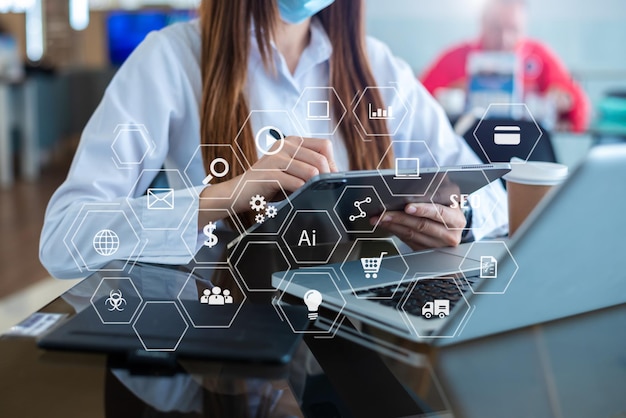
{"x":528,"y":183}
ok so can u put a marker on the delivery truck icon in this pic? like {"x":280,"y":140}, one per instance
{"x":439,"y":307}
{"x":507,"y":135}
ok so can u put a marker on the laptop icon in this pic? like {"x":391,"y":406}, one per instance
{"x":407,"y":168}
{"x":318,"y":110}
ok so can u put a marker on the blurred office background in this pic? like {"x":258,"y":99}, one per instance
{"x":70,"y":49}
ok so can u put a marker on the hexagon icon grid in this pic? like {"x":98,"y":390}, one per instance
{"x":395,"y":109}
{"x":162,"y":200}
{"x":219,"y":167}
{"x":118,"y":304}
{"x":363,"y":202}
{"x":408,"y":170}
{"x":269,"y":216}
{"x":214,"y":240}
{"x":135,"y":134}
{"x":420,"y":317}
{"x":268,"y":120}
{"x":256,"y":261}
{"x":361,"y":272}
{"x":154,"y":318}
{"x":303,"y":245}
{"x":509,"y":134}
{"x":317,"y":105}
{"x":308,"y":280}
{"x":204,"y":314}
{"x":108,"y":236}
{"x":447,"y":193}
{"x":497,"y":266}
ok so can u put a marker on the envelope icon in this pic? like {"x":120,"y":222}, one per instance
{"x":160,"y":199}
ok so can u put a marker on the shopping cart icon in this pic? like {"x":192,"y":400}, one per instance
{"x":371,"y":265}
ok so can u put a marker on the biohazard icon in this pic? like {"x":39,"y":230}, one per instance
{"x":116,"y":300}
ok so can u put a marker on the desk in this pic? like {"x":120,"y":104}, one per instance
{"x":569,"y":368}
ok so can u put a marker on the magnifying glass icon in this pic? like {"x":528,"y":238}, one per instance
{"x":213,"y":170}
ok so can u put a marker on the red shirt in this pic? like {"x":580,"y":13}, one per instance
{"x":543,"y":71}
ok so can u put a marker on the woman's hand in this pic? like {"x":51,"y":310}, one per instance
{"x":421,"y":225}
{"x":298,"y":160}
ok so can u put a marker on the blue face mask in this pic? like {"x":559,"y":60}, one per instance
{"x":296,"y":11}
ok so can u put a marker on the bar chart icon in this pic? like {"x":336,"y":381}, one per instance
{"x":380,"y":113}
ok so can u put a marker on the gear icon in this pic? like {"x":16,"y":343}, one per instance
{"x":257,"y":203}
{"x":259,"y":218}
{"x":271,"y":211}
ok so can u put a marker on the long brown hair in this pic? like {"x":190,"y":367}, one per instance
{"x":226,"y":45}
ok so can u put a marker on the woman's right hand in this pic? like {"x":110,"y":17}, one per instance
{"x":299,"y":160}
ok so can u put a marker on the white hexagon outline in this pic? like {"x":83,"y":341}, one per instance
{"x":354,"y":292}
{"x":343,"y":114}
{"x":235,"y":269}
{"x":245,"y":123}
{"x":407,"y":318}
{"x":236,"y":282}
{"x":508,"y":105}
{"x":385,"y":180}
{"x":98,"y":312}
{"x":200,"y":146}
{"x":282,"y":293}
{"x":495,"y":205}
{"x":379,"y":216}
{"x":141,"y":128}
{"x":181,"y":316}
{"x":510,"y":255}
{"x":191,"y":219}
{"x":134,"y":187}
{"x":358,"y":102}
{"x":126,"y":261}
{"x":311,"y":211}
{"x":242,"y":226}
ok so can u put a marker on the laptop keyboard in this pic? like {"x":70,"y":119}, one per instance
{"x":424,"y":291}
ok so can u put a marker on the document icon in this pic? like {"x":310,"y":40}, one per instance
{"x":160,"y":199}
{"x":507,"y":135}
{"x":488,"y":267}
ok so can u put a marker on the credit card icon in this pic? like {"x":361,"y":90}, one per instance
{"x":507,"y":135}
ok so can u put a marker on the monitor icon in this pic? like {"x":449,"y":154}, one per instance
{"x":407,"y":168}
{"x":318,"y":110}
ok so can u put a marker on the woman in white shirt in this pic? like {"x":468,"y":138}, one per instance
{"x":194,"y":90}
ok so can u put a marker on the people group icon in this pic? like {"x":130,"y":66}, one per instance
{"x":216,"y":296}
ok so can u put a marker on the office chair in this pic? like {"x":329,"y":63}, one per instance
{"x":528,"y":134}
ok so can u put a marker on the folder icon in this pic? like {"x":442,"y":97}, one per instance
{"x":160,"y":199}
{"x":507,"y":135}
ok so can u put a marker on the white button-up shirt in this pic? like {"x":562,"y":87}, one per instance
{"x":148,"y":122}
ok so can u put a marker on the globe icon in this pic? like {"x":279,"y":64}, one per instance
{"x":106,"y":242}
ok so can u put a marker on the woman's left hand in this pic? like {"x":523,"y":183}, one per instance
{"x":421,"y":225}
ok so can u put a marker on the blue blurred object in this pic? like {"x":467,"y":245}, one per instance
{"x":126,"y":29}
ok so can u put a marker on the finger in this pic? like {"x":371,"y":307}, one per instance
{"x":301,"y":170}
{"x":310,"y":150}
{"x":314,"y":159}
{"x":418,"y":225}
{"x":452,"y":217}
{"x":414,"y":239}
{"x":324,"y":147}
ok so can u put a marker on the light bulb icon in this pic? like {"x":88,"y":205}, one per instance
{"x":312,"y":299}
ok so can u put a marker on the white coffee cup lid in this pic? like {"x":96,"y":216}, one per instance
{"x":536,"y":172}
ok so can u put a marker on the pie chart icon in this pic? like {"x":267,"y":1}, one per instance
{"x":265,"y":139}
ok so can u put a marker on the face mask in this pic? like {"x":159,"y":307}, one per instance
{"x":296,"y":11}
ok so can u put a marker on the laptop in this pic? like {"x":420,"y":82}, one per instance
{"x":546,"y":261}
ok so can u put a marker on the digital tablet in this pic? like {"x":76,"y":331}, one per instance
{"x":352,"y":198}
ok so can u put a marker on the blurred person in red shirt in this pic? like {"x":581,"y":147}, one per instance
{"x":503,"y":27}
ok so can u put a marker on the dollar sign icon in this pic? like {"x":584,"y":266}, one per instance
{"x":208,"y":231}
